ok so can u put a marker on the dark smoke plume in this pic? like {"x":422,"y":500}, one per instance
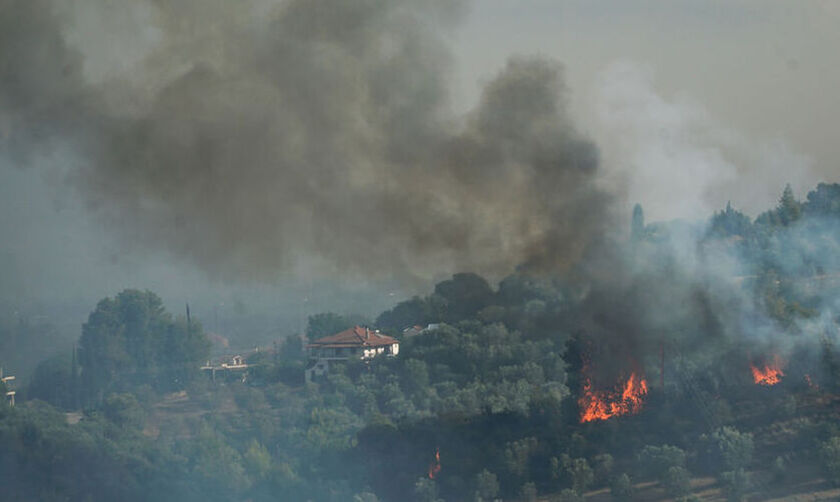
{"x":255,"y":135}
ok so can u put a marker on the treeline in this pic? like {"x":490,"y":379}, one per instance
{"x":481,"y":407}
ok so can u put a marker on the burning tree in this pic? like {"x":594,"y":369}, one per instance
{"x":769,"y":374}
{"x":624,"y":399}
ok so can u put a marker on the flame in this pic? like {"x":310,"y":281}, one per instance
{"x":604,"y":404}
{"x":811,"y":383}
{"x":434,"y":467}
{"x":770,"y":374}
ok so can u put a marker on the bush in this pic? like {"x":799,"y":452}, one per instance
{"x":735,"y":484}
{"x":486,"y":485}
{"x":830,"y":457}
{"x":729,"y":449}
{"x":655,"y":461}
{"x":622,"y":488}
{"x":677,"y":481}
{"x":580,"y":474}
{"x":603,"y":468}
{"x":568,"y":495}
{"x":528,"y":493}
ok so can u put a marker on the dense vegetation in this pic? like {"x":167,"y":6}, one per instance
{"x":493,"y":389}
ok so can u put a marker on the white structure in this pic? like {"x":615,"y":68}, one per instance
{"x":356,"y":343}
{"x":236,"y":365}
{"x":10,"y":395}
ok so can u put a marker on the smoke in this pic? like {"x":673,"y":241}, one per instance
{"x":672,"y":155}
{"x":254,"y":137}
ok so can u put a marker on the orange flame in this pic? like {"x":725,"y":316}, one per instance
{"x":811,"y":383}
{"x":604,"y":404}
{"x":770,"y":374}
{"x":434,"y":467}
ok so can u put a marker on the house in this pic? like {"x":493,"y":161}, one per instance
{"x":354,"y":343}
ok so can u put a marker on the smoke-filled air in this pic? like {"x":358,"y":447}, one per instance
{"x":253,"y":135}
{"x":404,"y":250}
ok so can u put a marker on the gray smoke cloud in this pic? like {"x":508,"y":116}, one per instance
{"x":254,"y":137}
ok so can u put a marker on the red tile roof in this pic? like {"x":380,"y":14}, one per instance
{"x":354,"y":337}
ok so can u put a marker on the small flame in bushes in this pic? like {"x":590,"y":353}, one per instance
{"x":434,"y":467}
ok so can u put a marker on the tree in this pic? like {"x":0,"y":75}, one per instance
{"x":621,"y":488}
{"x":580,"y":474}
{"x":486,"y":486}
{"x":731,"y":449}
{"x":730,"y":222}
{"x":789,"y":209}
{"x":637,"y":225}
{"x":465,"y":295}
{"x":416,"y":311}
{"x":365,"y":496}
{"x":528,"y":492}
{"x":425,"y":490}
{"x":677,"y":481}
{"x":123,"y":410}
{"x":830,"y":456}
{"x":735,"y":484}
{"x":52,"y":381}
{"x":824,"y":201}
{"x":656,"y":461}
{"x":131,"y":340}
{"x":330,"y":323}
{"x":257,"y":460}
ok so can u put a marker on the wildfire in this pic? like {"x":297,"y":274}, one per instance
{"x":603,"y":404}
{"x":770,"y":374}
{"x":434,"y":467}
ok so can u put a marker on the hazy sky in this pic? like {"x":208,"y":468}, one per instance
{"x":692,"y":103}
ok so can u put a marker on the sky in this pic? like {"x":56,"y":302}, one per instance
{"x":691,"y":103}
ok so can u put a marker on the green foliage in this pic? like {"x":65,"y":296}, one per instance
{"x":465,"y":295}
{"x":425,"y":490}
{"x":621,"y":488}
{"x":603,"y":466}
{"x":257,"y":460}
{"x":528,"y":492}
{"x":130,"y":340}
{"x":824,"y":201}
{"x":730,"y":449}
{"x":215,"y":466}
{"x":677,"y":481}
{"x":329,"y":323}
{"x":579,"y":473}
{"x":735,"y":483}
{"x":568,"y":495}
{"x":53,"y":382}
{"x":365,"y":497}
{"x":637,"y":226}
{"x":123,"y":410}
{"x":486,"y":486}
{"x":787,"y":212}
{"x":656,"y":461}
{"x":830,"y":456}
{"x":730,"y":222}
{"x":416,"y":311}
